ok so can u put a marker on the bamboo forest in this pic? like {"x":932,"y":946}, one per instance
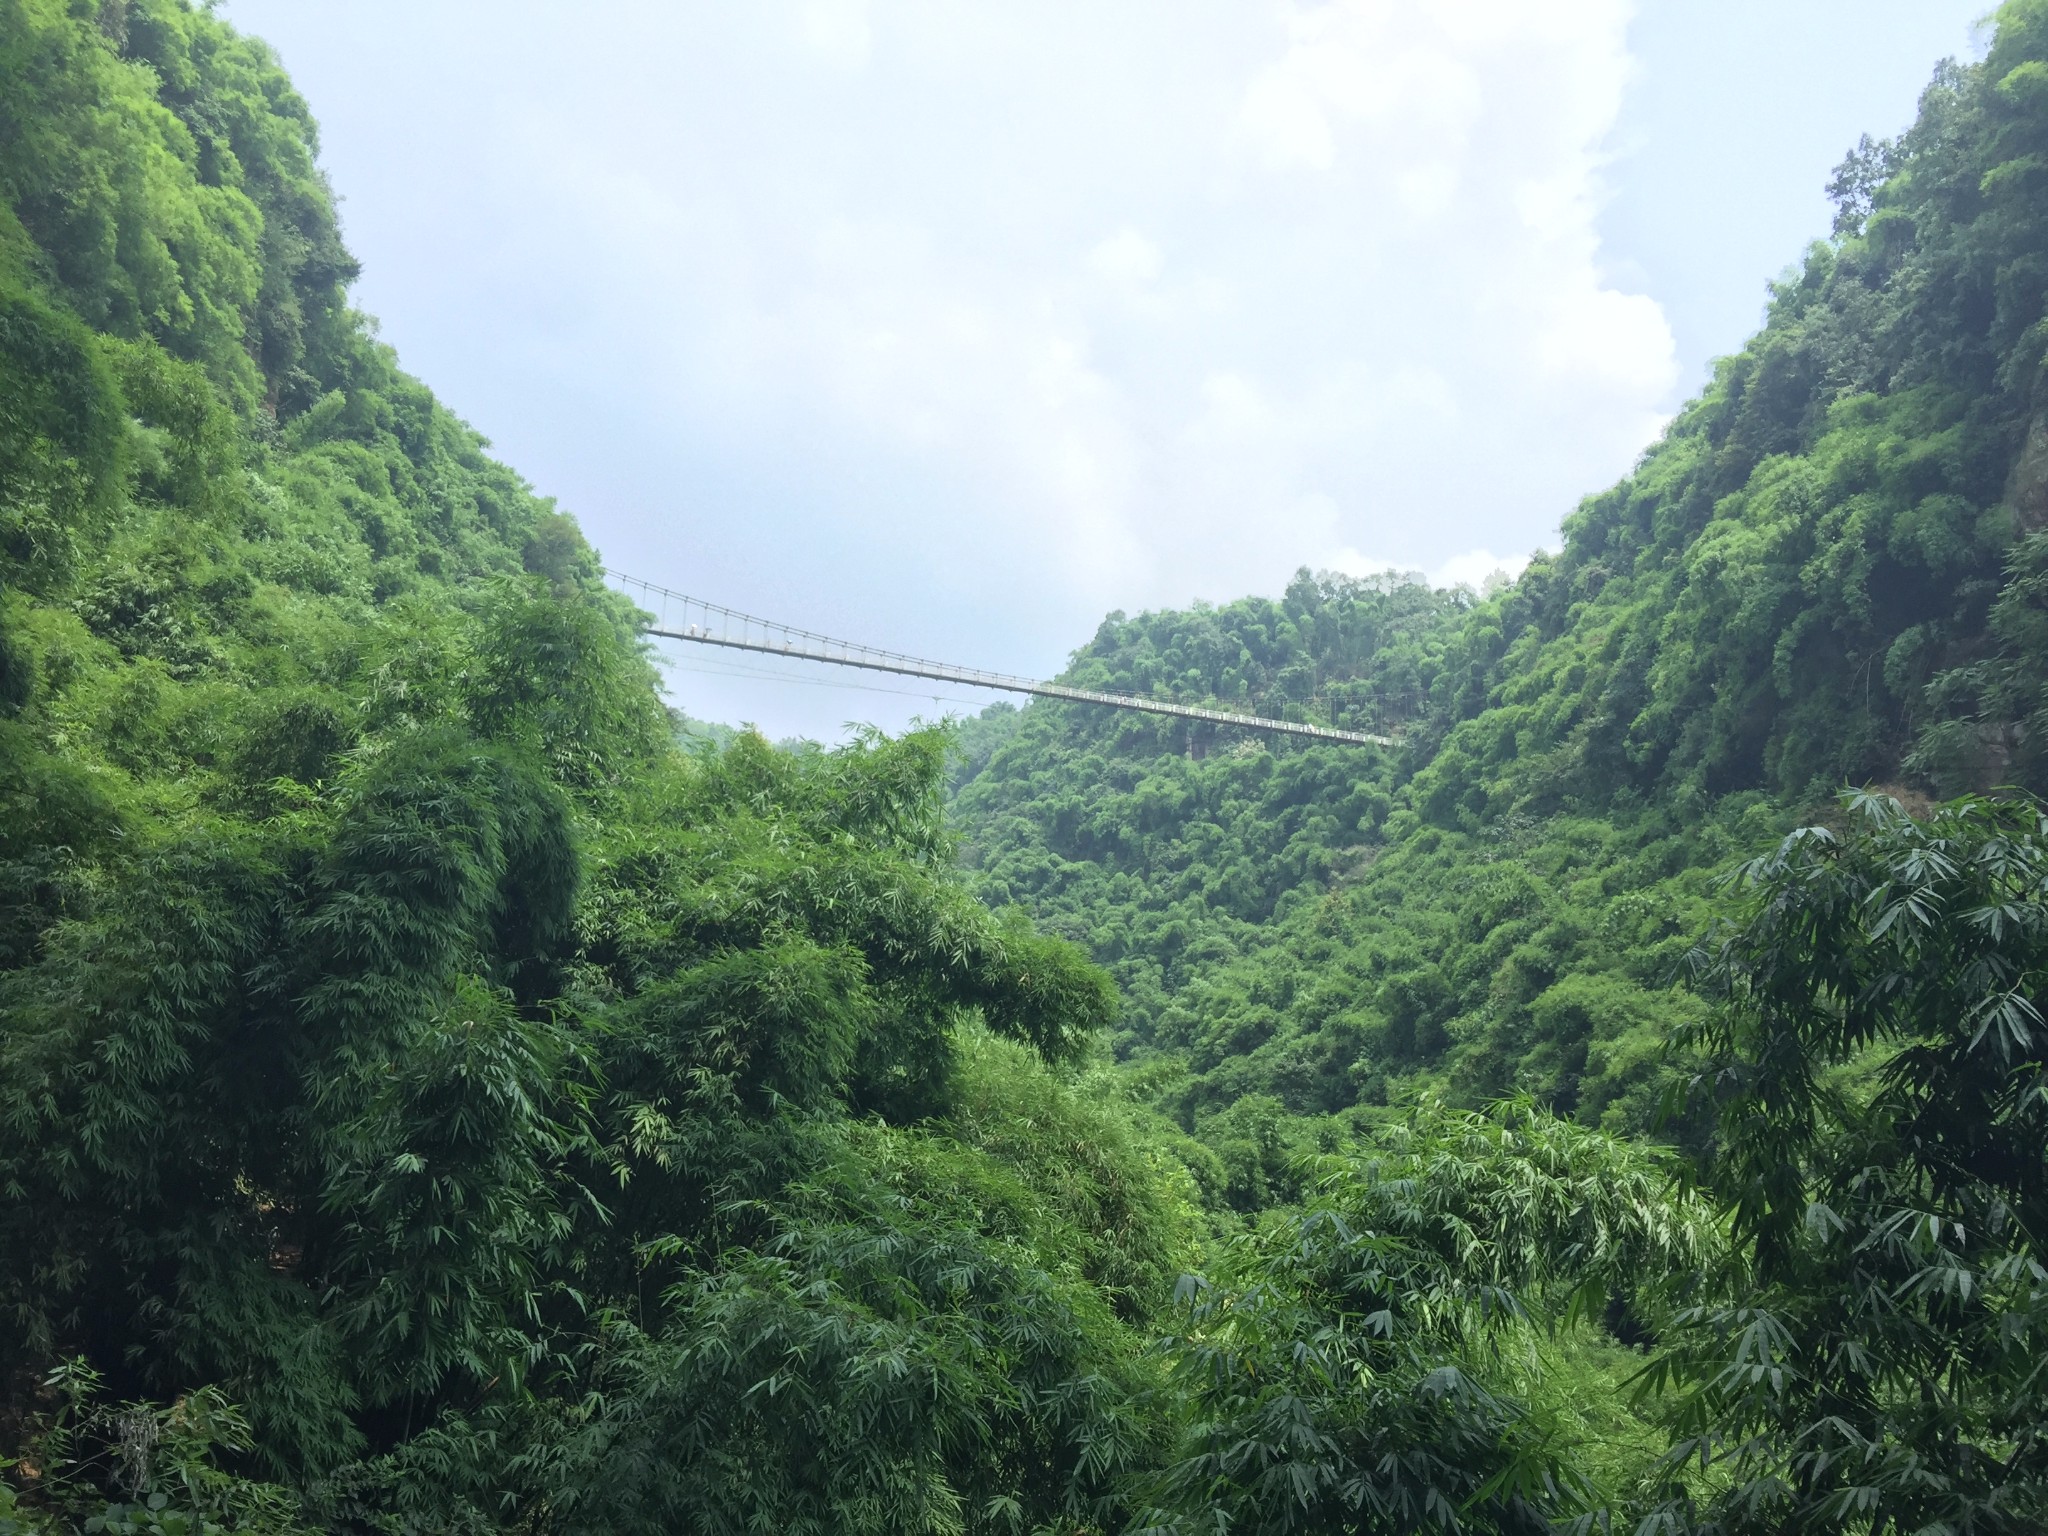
{"x":442,"y":1088}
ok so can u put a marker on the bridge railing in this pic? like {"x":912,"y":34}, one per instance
{"x":679,"y":616}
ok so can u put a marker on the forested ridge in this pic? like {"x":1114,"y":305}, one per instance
{"x":443,"y":1088}
{"x":1828,"y":571}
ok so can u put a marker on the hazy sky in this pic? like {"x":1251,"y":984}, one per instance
{"x":949,"y":328}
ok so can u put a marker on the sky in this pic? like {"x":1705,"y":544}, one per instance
{"x":951,"y":328}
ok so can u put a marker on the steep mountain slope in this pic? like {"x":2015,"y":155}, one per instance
{"x":1828,"y":570}
{"x":411,"y":1048}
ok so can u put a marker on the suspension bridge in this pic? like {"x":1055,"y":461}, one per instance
{"x":678,"y":616}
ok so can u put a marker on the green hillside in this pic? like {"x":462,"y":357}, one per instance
{"x":1828,"y":571}
{"x":411,"y":1045}
{"x":443,"y":1089}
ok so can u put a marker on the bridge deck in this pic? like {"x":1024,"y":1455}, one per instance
{"x":713,"y":624}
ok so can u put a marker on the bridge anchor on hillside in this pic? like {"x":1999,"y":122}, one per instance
{"x":681,"y":617}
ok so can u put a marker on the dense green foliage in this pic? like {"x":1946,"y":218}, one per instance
{"x":407,"y":1039}
{"x":442,"y":1089}
{"x":1348,"y":1370}
{"x":1878,"y":1070}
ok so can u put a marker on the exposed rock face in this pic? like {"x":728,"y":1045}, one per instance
{"x":1998,"y":742}
{"x":2027,"y":492}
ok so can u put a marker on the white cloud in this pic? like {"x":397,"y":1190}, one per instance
{"x":1404,"y":73}
{"x":1127,"y":257}
{"x":1020,"y":314}
{"x":1385,"y":293}
{"x":837,"y":30}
